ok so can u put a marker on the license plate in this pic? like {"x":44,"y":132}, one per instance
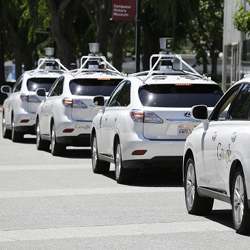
{"x":185,"y":130}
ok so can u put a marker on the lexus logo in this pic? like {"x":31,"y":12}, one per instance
{"x":187,"y":114}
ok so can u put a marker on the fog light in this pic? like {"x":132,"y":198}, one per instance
{"x":68,"y":130}
{"x":139,"y":152}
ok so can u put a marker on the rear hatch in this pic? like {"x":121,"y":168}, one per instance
{"x":84,"y":91}
{"x":32,"y":101}
{"x":167,"y":108}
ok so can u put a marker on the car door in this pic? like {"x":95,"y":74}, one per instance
{"x":230,"y":134}
{"x":47,"y":109}
{"x":118,"y":101}
{"x":212,"y":144}
{"x":13,"y":100}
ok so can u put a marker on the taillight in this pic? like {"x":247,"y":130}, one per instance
{"x":151,"y":117}
{"x":137,"y":115}
{"x":30,"y":98}
{"x":145,"y":117}
{"x":74,"y":103}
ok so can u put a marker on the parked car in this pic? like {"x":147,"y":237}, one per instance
{"x":19,"y":109}
{"x":65,"y":116}
{"x":148,"y":117}
{"x":216,"y":157}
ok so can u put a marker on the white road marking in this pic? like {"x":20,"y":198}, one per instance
{"x":110,"y":231}
{"x":87,"y":191}
{"x":6,"y":168}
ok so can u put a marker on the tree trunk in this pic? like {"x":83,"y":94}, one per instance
{"x":2,"y":75}
{"x":103,"y":14}
{"x":214,"y":59}
{"x":204,"y":62}
{"x":64,"y":47}
{"x":117,"y":47}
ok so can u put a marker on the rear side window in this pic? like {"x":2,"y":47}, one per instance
{"x":93,"y":87}
{"x":34,"y":83}
{"x":174,"y":95}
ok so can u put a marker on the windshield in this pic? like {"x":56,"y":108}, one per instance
{"x":174,"y":95}
{"x":34,"y":83}
{"x":93,"y":87}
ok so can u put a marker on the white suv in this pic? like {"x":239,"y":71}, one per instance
{"x":217,"y":159}
{"x":19,"y":109}
{"x":65,"y":116}
{"x":146,"y":120}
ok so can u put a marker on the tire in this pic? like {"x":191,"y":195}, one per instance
{"x":195,"y":204}
{"x":56,"y":148}
{"x":40,"y":143}
{"x":122,"y":175}
{"x":240,"y":210}
{"x":6,"y":133}
{"x":16,"y":136}
{"x":98,"y":166}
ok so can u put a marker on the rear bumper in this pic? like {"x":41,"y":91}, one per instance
{"x":25,"y":120}
{"x":154,"y":149}
{"x":82,"y":140}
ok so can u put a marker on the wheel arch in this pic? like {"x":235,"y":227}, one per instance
{"x":115,"y":141}
{"x":236,"y":165}
{"x":188,"y":154}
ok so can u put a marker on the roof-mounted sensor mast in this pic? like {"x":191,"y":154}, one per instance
{"x":49,"y":63}
{"x":94,"y":62}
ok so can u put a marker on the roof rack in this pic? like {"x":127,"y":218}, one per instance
{"x":96,"y":63}
{"x":50,"y":65}
{"x":166,"y":62}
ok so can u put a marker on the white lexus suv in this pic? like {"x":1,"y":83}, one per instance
{"x":19,"y":109}
{"x":148,"y":117}
{"x":65,"y":116}
{"x":216,"y":157}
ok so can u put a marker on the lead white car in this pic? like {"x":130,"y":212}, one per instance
{"x":216,"y":157}
{"x":65,"y":116}
{"x":19,"y":109}
{"x":148,"y":117}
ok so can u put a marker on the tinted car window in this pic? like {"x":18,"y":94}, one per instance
{"x":122,"y":97}
{"x":174,"y":95}
{"x":221,"y":110}
{"x":93,"y":87}
{"x":240,"y":109}
{"x":34,"y":83}
{"x":58,"y":89}
{"x":18,"y":85}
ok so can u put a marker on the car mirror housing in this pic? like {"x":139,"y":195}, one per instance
{"x":5,"y":89}
{"x":41,"y":92}
{"x":99,"y":100}
{"x":200,"y":112}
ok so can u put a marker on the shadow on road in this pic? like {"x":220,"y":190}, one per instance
{"x":153,"y":178}
{"x":76,"y":154}
{"x":223,"y":217}
{"x":29,"y":140}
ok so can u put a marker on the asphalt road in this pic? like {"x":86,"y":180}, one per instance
{"x":58,"y":203}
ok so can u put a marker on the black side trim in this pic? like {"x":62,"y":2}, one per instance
{"x":106,"y":158}
{"x":203,"y":191}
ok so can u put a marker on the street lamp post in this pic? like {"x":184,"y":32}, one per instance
{"x":138,"y":35}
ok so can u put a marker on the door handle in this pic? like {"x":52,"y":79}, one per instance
{"x":233,"y":137}
{"x":214,"y":136}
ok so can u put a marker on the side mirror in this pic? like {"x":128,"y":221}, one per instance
{"x":200,"y":112}
{"x":5,"y":89}
{"x":41,"y":92}
{"x":99,"y":100}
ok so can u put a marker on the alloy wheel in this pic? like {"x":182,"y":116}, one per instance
{"x":190,"y":185}
{"x":238,"y":200}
